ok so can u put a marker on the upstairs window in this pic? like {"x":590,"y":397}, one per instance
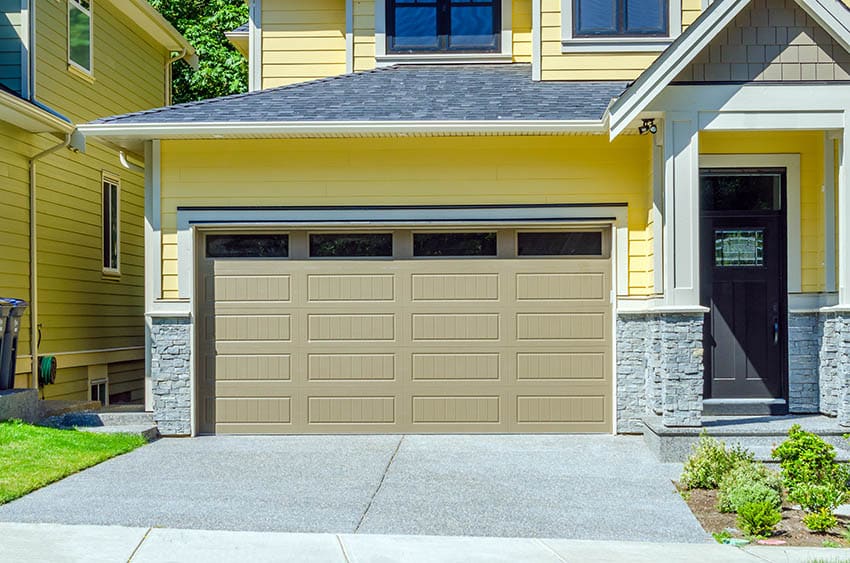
{"x":111,"y":212}
{"x":80,"y":34}
{"x":621,"y":18}
{"x":458,"y":26}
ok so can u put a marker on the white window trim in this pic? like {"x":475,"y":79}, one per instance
{"x":90,"y":12}
{"x":382,"y":58}
{"x":111,"y":179}
{"x":571,"y":44}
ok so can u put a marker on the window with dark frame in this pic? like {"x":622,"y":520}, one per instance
{"x":560,"y":243}
{"x":434,"y":245}
{"x":456,"y":26}
{"x":621,"y":18}
{"x":351,"y":245}
{"x":247,"y":246}
{"x":111,"y":225}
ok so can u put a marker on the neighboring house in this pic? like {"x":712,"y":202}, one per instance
{"x":510,"y":216}
{"x":72,"y":240}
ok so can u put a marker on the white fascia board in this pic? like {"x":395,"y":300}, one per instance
{"x":285,"y":128}
{"x":832,"y":17}
{"x":688,"y":45}
{"x":149,"y":19}
{"x":755,"y":98}
{"x":30,"y":117}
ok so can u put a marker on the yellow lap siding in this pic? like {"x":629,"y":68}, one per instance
{"x":412,"y":171}
{"x":521,"y":30}
{"x":302,"y":41}
{"x":809,"y":145}
{"x":128,"y":66}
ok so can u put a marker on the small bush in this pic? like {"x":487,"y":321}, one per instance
{"x":813,"y":497}
{"x":710,"y":462}
{"x":748,"y":483}
{"x":758,"y":519}
{"x":821,"y":521}
{"x":807,"y":458}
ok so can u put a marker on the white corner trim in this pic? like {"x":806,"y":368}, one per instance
{"x":190,"y":220}
{"x":349,"y":36}
{"x":829,"y":212}
{"x":810,"y":302}
{"x":791,"y":163}
{"x":536,"y":47}
{"x":153,"y":253}
{"x":843,"y":205}
{"x":572,"y":44}
{"x":25,"y":49}
{"x":255,"y":45}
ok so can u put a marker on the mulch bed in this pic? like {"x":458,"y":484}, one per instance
{"x":791,"y":529}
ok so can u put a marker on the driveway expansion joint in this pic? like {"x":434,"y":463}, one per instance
{"x":342,"y":548}
{"x":139,"y":545}
{"x":380,"y":484}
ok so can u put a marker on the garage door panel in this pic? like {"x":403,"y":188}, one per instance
{"x":452,"y":410}
{"x":252,"y":367}
{"x":252,"y":288}
{"x":539,"y":409}
{"x":253,"y":410}
{"x":450,"y":326}
{"x":341,"y":367}
{"x":563,"y":366}
{"x":351,"y":410}
{"x":357,"y":288}
{"x":366,"y":327}
{"x":253,"y":328}
{"x":561,"y":287}
{"x":455,"y":367}
{"x":254,"y":389}
{"x":561,"y":326}
{"x":455,"y":287}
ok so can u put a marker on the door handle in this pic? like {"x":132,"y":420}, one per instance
{"x":775,"y":331}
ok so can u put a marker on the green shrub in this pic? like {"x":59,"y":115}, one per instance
{"x":822,"y":520}
{"x":710,"y":462}
{"x":807,"y":458}
{"x":749,"y":482}
{"x":758,"y":519}
{"x":813,"y":497}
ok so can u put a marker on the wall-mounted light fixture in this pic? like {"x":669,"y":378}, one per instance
{"x":648,"y":126}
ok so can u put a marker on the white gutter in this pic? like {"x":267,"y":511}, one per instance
{"x":30,"y":117}
{"x":217,"y":130}
{"x":34,"y":255}
{"x":122,"y":158}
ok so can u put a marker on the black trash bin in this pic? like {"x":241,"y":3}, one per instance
{"x":5,"y":313}
{"x":9,"y":344}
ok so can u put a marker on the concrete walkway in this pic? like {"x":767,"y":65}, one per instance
{"x":25,"y":543}
{"x":577,"y":487}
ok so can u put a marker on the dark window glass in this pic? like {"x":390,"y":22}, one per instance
{"x":79,"y":33}
{"x":736,"y":248}
{"x":351,"y":245}
{"x":559,"y":244}
{"x":443,"y":25}
{"x":620,"y":18}
{"x":111,"y":226}
{"x":248,"y":246}
{"x":754,"y":192}
{"x":454,"y":244}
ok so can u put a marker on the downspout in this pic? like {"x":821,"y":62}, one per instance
{"x":34,"y":256}
{"x":169,"y":65}
{"x":122,"y":158}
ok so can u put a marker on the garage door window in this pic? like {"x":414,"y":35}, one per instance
{"x":248,"y":246}
{"x":559,"y":244}
{"x":351,"y":245}
{"x":435,"y":245}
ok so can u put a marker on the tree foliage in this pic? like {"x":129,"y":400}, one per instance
{"x":223,"y":70}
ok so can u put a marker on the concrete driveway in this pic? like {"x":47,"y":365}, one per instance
{"x":581,"y":487}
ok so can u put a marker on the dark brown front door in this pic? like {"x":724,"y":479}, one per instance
{"x":743,"y":256}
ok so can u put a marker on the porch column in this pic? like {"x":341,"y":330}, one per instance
{"x":837,"y":325}
{"x":680,"y":319}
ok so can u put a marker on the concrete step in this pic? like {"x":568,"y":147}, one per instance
{"x":52,"y":408}
{"x":757,"y":434}
{"x":141,"y":423}
{"x":146,"y":431}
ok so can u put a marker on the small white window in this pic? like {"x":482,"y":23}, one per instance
{"x":111,"y":225}
{"x":80,"y":34}
{"x":98,"y":391}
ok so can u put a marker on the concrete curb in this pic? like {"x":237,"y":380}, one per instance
{"x":26,"y":543}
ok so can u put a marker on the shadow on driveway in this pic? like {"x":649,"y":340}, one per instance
{"x":556,"y":486}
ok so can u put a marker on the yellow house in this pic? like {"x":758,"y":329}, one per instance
{"x":504,"y":216}
{"x":72,"y":241}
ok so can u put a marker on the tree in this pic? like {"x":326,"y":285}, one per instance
{"x":223,"y":70}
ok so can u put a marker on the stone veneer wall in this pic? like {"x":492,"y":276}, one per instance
{"x":805,"y":331}
{"x":171,"y":374}
{"x":659,"y":369}
{"x":834,"y":363}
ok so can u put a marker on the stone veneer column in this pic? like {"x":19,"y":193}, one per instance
{"x":804,"y":344}
{"x":171,"y":350}
{"x":835,"y":367}
{"x":632,"y":388}
{"x":682,"y":368}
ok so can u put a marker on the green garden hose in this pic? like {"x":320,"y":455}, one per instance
{"x":46,"y":370}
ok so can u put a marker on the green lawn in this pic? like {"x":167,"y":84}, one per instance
{"x":32,"y":457}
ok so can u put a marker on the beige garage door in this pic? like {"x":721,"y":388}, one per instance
{"x":401,"y":331}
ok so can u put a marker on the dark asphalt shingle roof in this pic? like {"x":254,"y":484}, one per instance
{"x":244,"y":28}
{"x":462,"y":92}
